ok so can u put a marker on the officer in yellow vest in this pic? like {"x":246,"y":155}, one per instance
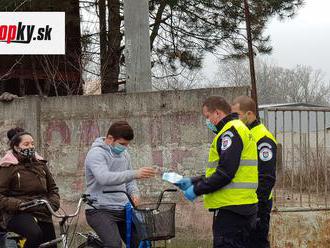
{"x":231,"y":179}
{"x":266,"y":143}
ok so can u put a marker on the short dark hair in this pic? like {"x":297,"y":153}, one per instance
{"x":14,"y":136}
{"x":246,"y":104}
{"x":121,"y":129}
{"x":217,"y":103}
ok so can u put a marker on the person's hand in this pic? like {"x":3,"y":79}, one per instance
{"x":184,"y":183}
{"x":189,"y":194}
{"x":136,"y":200}
{"x":145,"y":172}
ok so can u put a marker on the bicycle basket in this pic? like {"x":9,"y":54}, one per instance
{"x":157,"y":224}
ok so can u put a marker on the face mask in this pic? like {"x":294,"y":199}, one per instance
{"x":211,"y":126}
{"x":26,"y":153}
{"x":118,"y":148}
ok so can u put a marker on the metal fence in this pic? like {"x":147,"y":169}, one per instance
{"x":303,"y":169}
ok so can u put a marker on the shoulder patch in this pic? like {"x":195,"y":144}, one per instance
{"x":227,"y":133}
{"x":226,"y":143}
{"x":264,"y":144}
{"x":265,"y":154}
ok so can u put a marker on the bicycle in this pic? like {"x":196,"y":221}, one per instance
{"x":153,"y":221}
{"x":91,"y":239}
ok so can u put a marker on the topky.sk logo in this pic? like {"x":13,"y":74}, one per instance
{"x":21,"y":33}
{"x":32,"y":33}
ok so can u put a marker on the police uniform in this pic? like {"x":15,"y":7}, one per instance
{"x":266,"y":145}
{"x":230,"y":183}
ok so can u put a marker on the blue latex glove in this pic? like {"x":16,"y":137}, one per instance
{"x":189,"y":194}
{"x":184,"y":183}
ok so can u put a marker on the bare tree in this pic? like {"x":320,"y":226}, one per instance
{"x":183,"y":80}
{"x":308,"y":85}
{"x":45,"y":75}
{"x":277,"y":84}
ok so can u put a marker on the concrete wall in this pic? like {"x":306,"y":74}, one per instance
{"x":170,"y":133}
{"x":300,"y":230}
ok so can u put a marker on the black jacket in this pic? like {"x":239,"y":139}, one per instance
{"x":228,"y":165}
{"x":266,"y":166}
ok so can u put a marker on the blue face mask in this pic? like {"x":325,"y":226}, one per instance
{"x":211,"y":126}
{"x":118,"y":148}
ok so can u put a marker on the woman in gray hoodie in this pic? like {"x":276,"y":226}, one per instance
{"x":108,"y":167}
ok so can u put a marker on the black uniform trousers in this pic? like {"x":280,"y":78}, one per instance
{"x":232,"y":230}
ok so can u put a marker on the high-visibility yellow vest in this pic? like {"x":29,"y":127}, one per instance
{"x":242,"y":189}
{"x":258,"y":133}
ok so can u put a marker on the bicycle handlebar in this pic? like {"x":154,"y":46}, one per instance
{"x":39,"y":202}
{"x":28,"y":204}
{"x":131,"y":200}
{"x":84,"y":198}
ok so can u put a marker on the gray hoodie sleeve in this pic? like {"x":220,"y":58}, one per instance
{"x":96,"y":163}
{"x":131,"y":186}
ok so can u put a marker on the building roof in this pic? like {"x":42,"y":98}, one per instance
{"x":297,"y":104}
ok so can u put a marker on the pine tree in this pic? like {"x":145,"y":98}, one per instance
{"x":182,"y":31}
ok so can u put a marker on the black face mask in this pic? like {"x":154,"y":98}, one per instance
{"x":26,"y":153}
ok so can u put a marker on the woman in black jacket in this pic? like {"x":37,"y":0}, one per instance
{"x":24,"y":176}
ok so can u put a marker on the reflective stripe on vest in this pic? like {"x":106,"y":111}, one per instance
{"x":242,"y":188}
{"x":243,"y":162}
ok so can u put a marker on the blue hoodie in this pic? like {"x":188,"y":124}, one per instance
{"x":105,"y":170}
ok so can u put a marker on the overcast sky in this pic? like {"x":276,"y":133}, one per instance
{"x":303,"y":40}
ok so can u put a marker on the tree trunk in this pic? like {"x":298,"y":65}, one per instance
{"x":254,"y":95}
{"x":35,"y":76}
{"x":114,"y":51}
{"x":157,"y":23}
{"x":21,"y":91}
{"x":103,"y":42}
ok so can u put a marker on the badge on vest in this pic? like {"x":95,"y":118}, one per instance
{"x":226,"y":143}
{"x":265,"y":154}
